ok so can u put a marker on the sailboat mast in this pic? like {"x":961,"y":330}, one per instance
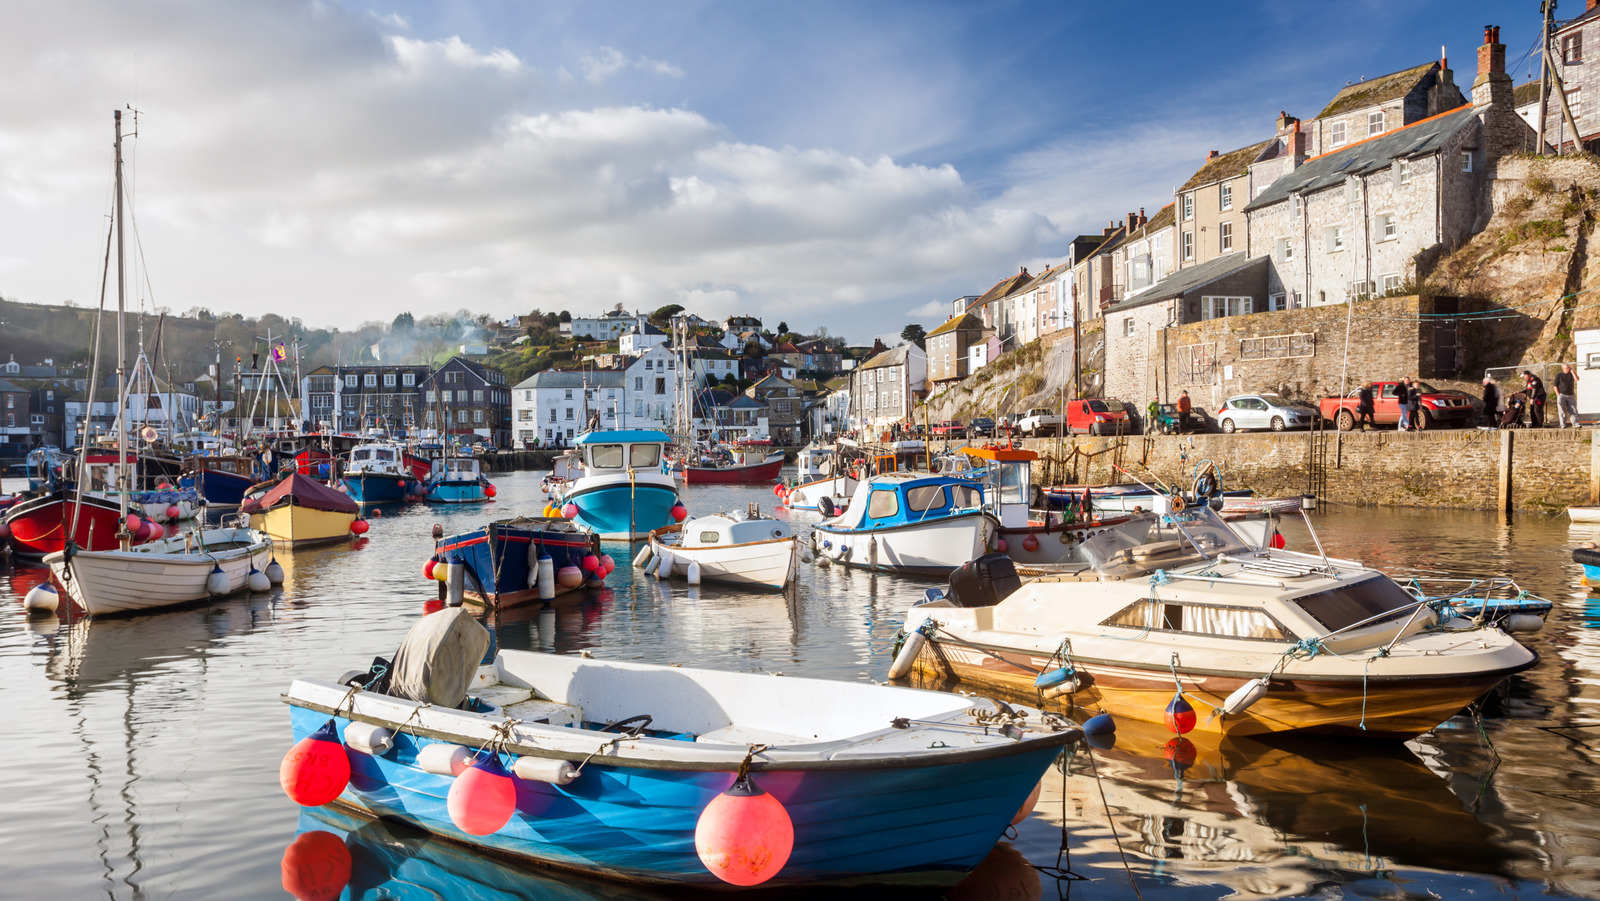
{"x":122,"y":486}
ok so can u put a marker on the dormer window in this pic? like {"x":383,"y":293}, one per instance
{"x":1336,"y":133}
{"x":1375,"y":123}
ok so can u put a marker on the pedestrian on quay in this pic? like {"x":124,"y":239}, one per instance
{"x":1415,"y":396}
{"x":1365,"y":408}
{"x":1493,"y":402}
{"x":1402,"y":394}
{"x":1183,"y":410}
{"x":1567,"y":396}
{"x":1533,"y":386}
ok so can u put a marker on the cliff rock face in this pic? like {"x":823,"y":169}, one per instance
{"x":1038,"y":374}
{"x":1533,"y":259}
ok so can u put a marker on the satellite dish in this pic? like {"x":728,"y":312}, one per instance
{"x":149,"y":434}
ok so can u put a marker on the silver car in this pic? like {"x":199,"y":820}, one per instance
{"x":1264,"y":411}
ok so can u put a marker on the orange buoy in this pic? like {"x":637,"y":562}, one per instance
{"x":483,"y":797}
{"x":744,"y":836}
{"x":316,"y":866}
{"x":316,"y":770}
{"x":1026,"y":810}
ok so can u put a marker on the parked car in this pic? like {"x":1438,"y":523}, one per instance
{"x":1097,"y":416}
{"x":1264,"y":411}
{"x":1010,"y":424}
{"x":949,"y":428}
{"x":1166,"y":421}
{"x":1040,"y":421}
{"x":981,"y":427}
{"x":1438,"y":407}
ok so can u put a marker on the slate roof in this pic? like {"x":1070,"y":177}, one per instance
{"x":1365,"y":157}
{"x":1001,"y":289}
{"x":573,"y":378}
{"x":1224,"y":166}
{"x":964,"y":321}
{"x":1164,"y":217}
{"x":1185,"y":280}
{"x":1374,"y":91}
{"x":1525,"y":93}
{"x":894,"y":357}
{"x":644,"y":328}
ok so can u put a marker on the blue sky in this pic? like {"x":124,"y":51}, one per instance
{"x":846,"y":165}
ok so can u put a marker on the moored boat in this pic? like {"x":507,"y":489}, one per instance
{"x":620,"y":769}
{"x":739,"y":467}
{"x":624,"y":490}
{"x":741,"y":548}
{"x":1588,"y":557}
{"x":1584,"y":514}
{"x":1030,"y":536}
{"x":908,"y":522}
{"x":41,"y":525}
{"x":300,"y":511}
{"x":178,"y":570}
{"x":457,"y":480}
{"x":377,"y":474}
{"x":504,"y":558}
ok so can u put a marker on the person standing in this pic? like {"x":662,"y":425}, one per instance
{"x":1402,"y":395}
{"x":1534,"y":387}
{"x":1415,"y":396}
{"x":1183,"y":411}
{"x":1491,"y":402}
{"x":1365,"y":408}
{"x":1567,"y":396}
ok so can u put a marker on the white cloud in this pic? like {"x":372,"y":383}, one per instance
{"x":933,"y":309}
{"x":418,"y":56}
{"x":607,"y":62}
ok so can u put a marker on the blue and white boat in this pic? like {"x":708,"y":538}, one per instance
{"x":614,"y":764}
{"x":626,"y":490}
{"x":503,"y":557}
{"x":1589,"y":559}
{"x":909,"y":522}
{"x":377,"y":473}
{"x":457,"y":480}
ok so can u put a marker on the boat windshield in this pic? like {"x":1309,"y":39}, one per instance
{"x":644,"y":456}
{"x":1194,"y":531}
{"x":605,"y":456}
{"x":1369,"y":599}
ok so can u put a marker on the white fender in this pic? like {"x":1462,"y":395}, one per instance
{"x":664,"y":569}
{"x":258,"y":581}
{"x":543,"y":769}
{"x":644,"y":555}
{"x":547,"y":577}
{"x":374,"y":741}
{"x":907,"y":658}
{"x":694,"y":572}
{"x":444,"y":759}
{"x":1244,"y":696}
{"x":43,"y":598}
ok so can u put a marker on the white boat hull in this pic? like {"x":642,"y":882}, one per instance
{"x":767,"y":563}
{"x":931,"y":548}
{"x":159,"y":574}
{"x":1584,"y":514}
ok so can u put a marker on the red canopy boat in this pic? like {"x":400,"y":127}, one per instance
{"x":735,"y":473}
{"x":39,"y":525}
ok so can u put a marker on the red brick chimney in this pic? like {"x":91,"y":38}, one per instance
{"x":1492,"y":96}
{"x":1593,"y":3}
{"x":1212,"y":155}
{"x":1491,"y":56}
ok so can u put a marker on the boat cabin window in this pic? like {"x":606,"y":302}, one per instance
{"x":924,"y":498}
{"x":362,"y":454}
{"x":966,"y":496}
{"x":1200,"y":619}
{"x":1350,"y":604}
{"x":883,"y":503}
{"x":605,"y":456}
{"x":710,"y":537}
{"x":1014,"y":483}
{"x":386,"y":456}
{"x":645,"y":456}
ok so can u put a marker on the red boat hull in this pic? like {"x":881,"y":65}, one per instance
{"x":38,"y":526}
{"x":733,"y":475}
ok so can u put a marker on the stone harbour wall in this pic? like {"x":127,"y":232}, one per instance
{"x":1549,"y":469}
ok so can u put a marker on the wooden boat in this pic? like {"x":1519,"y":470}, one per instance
{"x":743,"y":548}
{"x":299,"y":512}
{"x":41,"y":525}
{"x":614,"y":765}
{"x":503,"y":557}
{"x":222,"y":479}
{"x":739,"y":468}
{"x":1584,"y":514}
{"x":162,"y":573}
{"x":1260,"y":640}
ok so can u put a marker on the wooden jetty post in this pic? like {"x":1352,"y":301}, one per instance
{"x":1502,"y":496}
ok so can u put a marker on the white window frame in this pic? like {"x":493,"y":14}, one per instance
{"x":1188,"y":245}
{"x":1277,"y":302}
{"x":1218,"y":306}
{"x":388,"y":380}
{"x":1375,"y":123}
{"x":370,"y":380}
{"x":1127,"y":327}
{"x":1188,"y":207}
{"x":409,"y":380}
{"x":1466,"y":161}
{"x":1225,"y":198}
{"x":1388,"y":229}
{"x":350,"y":380}
{"x":1358,"y":290}
{"x":1338,"y":239}
{"x":1392,"y":282}
{"x":1336,"y":133}
{"x":1225,"y":237}
{"x":1405,"y":172}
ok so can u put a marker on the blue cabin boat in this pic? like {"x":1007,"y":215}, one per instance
{"x":377,"y":474}
{"x":625,"y":490}
{"x":909,"y":522}
{"x":502,"y":557}
{"x":613,"y":764}
{"x":456,"y":480}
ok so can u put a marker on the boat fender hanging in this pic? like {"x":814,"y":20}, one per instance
{"x":274,"y":571}
{"x":316,"y":770}
{"x":1026,"y":810}
{"x":369,"y":739}
{"x":916,"y":639}
{"x":744,"y":836}
{"x":217,"y":583}
{"x":569,"y":511}
{"x":544,"y":769}
{"x":590,"y":563}
{"x":679,"y":512}
{"x":1100,"y":724}
{"x":872,"y":552}
{"x":664,"y":564}
{"x":1521,"y":622}
{"x":644,"y":555}
{"x":1244,"y":696}
{"x":545,"y":576}
{"x":569,"y":577}
{"x":1030,"y":543}
{"x":428,"y":567}
{"x":1057,"y":682}
{"x":359,"y":527}
{"x":825,"y":506}
{"x":173,"y":512}
{"x":42,"y":599}
{"x":483,"y":797}
{"x":441,"y":571}
{"x":257,"y":581}
{"x":1180,"y":716}
{"x":693,"y":574}
{"x":608,"y":565}
{"x":443,"y":758}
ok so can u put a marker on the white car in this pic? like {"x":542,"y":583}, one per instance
{"x":1040,"y":420}
{"x":1264,"y":411}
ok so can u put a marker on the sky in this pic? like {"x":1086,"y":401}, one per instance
{"x":852,"y":166}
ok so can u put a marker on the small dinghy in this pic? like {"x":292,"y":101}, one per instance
{"x":664,"y":775}
{"x":743,"y":548}
{"x":1588,"y":557}
{"x":1584,"y":514}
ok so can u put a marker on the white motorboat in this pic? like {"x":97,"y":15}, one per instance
{"x":189,"y":567}
{"x":743,"y":548}
{"x":1584,"y":514}
{"x":908,"y":522}
{"x":1252,"y":640}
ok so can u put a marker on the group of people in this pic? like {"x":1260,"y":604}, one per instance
{"x":1504,"y":410}
{"x":1408,"y":392}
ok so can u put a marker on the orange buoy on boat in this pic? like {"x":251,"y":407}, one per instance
{"x":483,"y":797}
{"x":316,"y":770}
{"x":744,"y":836}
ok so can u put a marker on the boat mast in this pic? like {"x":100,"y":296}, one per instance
{"x":122,"y":487}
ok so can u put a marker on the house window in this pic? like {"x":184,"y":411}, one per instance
{"x":649,"y":364}
{"x":477,"y":396}
{"x":661,"y":386}
{"x":477,"y":416}
{"x":1225,"y":234}
{"x":1285,"y":249}
{"x":1188,"y":245}
{"x":1391,"y":283}
{"x":461,"y":416}
{"x":1227,"y":197}
{"x":1375,"y":123}
{"x":409,"y":380}
{"x":1336,"y":133}
{"x":1127,"y":327}
{"x":1387,"y":230}
{"x":568,"y":394}
{"x":428,"y":395}
{"x":370,"y":380}
{"x":388,"y":380}
{"x":1277,"y":302}
{"x":350,"y":380}
{"x":569,"y":413}
{"x":1216,"y":307}
{"x":1572,"y":48}
{"x":1575,"y":101}
{"x":638,"y":383}
{"x":1188,"y":207}
{"x":1360,"y":290}
{"x":1466,"y":161}
{"x":1334,"y":239}
{"x":1405,"y":172}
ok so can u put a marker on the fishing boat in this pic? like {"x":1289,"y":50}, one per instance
{"x":222,"y":478}
{"x":829,"y":478}
{"x":908,"y":522}
{"x":377,"y":474}
{"x":671,"y":776}
{"x":457,"y":479}
{"x":624,"y":491}
{"x":168,"y":503}
{"x":1194,"y":628}
{"x":300,"y":511}
{"x":43,"y":524}
{"x":503,"y":559}
{"x":722,"y":466}
{"x":744,"y":548}
{"x":194,"y":566}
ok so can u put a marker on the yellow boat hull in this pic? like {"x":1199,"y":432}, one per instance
{"x":296,"y":527}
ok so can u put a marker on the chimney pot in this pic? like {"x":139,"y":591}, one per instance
{"x":1593,"y":4}
{"x":1212,"y":155}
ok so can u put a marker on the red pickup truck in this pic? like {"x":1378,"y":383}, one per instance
{"x":1438,"y":408}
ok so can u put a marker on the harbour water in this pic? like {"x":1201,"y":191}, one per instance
{"x":141,"y":754}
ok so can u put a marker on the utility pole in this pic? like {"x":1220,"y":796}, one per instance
{"x":1548,"y":7}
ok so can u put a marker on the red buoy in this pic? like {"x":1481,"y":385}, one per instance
{"x":427,"y":568}
{"x":1001,"y":546}
{"x":744,"y":836}
{"x":679,"y":513}
{"x":360,"y":527}
{"x":1030,"y":543}
{"x":483,"y":797}
{"x":133,"y":522}
{"x":489,"y":491}
{"x":316,"y":770}
{"x":569,"y":511}
{"x":1180,"y":716}
{"x":173,"y":512}
{"x":1277,"y":541}
{"x":316,"y":866}
{"x":591,"y":563}
{"x":607,"y":564}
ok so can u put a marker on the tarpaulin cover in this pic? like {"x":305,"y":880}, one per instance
{"x":439,"y":658}
{"x":302,"y":491}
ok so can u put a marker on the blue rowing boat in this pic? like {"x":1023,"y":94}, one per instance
{"x":503,"y":556}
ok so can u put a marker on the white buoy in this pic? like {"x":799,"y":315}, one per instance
{"x":644,"y":555}
{"x":547,"y":577}
{"x":274,"y":571}
{"x":1521,"y":622}
{"x":543,"y":769}
{"x":907,"y":658}
{"x":824,"y":562}
{"x":42,"y":598}
{"x":217,"y":583}
{"x":444,"y":759}
{"x":1244,"y":696}
{"x":694,"y":572}
{"x":664,"y":565}
{"x":258,"y":582}
{"x":805,"y":554}
{"x":374,"y":741}
{"x":651,"y":564}
{"x":456,"y":586}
